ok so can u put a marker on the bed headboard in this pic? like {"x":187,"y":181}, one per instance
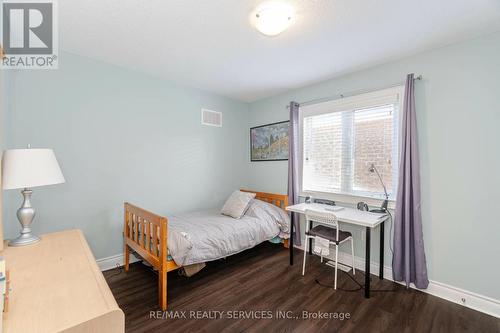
{"x":279,"y":200}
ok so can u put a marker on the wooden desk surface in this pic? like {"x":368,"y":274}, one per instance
{"x":56,"y":285}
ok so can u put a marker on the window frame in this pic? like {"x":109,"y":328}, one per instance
{"x":358,"y":101}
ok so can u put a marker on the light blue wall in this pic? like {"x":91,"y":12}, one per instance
{"x":121,"y":136}
{"x":458,"y":106}
{"x":4,"y":102}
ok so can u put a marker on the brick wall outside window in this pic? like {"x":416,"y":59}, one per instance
{"x":373,"y":144}
{"x":340,"y":147}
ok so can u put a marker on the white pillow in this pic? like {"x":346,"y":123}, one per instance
{"x":237,"y":204}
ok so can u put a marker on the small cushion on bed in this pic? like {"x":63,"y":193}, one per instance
{"x":237,"y":204}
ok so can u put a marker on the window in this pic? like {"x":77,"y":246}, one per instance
{"x":341,"y":139}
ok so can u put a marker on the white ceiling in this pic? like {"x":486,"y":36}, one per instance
{"x":210,"y":44}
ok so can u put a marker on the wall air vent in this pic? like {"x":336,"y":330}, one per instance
{"x":211,"y":118}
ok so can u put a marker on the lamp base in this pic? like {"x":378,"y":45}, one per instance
{"x":24,"y":239}
{"x":25,"y":215}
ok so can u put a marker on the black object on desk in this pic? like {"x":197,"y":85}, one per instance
{"x":325,"y":202}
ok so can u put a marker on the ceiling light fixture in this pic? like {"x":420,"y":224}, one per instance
{"x":272,"y":18}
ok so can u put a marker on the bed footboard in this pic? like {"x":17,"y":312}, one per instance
{"x":146,"y":234}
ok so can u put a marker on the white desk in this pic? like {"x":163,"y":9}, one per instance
{"x":368,"y":220}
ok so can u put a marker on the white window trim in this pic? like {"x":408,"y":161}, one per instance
{"x":383,"y":96}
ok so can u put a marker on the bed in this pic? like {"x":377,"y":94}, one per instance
{"x":211,"y":236}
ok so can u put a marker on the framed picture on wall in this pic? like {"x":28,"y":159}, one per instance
{"x":269,"y":142}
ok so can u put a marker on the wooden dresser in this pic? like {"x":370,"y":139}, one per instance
{"x":56,"y":286}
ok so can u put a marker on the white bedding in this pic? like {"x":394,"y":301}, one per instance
{"x":204,"y":236}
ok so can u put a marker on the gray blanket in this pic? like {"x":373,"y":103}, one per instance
{"x":204,"y":236}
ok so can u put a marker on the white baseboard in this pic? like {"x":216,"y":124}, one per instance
{"x":463,"y":297}
{"x":114,"y":261}
{"x":466,"y":298}
{"x":453,"y":294}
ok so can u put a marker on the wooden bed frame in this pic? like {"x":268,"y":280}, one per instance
{"x":146,"y":234}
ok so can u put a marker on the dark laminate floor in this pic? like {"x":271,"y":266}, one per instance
{"x":261,"y":279}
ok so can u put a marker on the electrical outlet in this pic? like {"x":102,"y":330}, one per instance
{"x":363,"y":235}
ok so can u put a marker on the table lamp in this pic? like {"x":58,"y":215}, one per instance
{"x":24,"y":169}
{"x":373,"y":169}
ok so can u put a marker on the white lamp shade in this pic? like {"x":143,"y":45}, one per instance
{"x":26,"y":168}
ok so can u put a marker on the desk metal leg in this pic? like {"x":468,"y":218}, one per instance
{"x":367,"y":263}
{"x":310,"y":241}
{"x":381,"y":269}
{"x":290,"y":243}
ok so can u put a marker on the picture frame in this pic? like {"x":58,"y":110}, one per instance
{"x":269,"y":142}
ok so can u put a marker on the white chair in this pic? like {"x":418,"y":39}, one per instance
{"x":328,"y":228}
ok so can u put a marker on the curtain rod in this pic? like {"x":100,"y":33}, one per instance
{"x":352,"y":93}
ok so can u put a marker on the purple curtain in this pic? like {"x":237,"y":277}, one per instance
{"x":408,"y":261}
{"x":293,"y":167}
